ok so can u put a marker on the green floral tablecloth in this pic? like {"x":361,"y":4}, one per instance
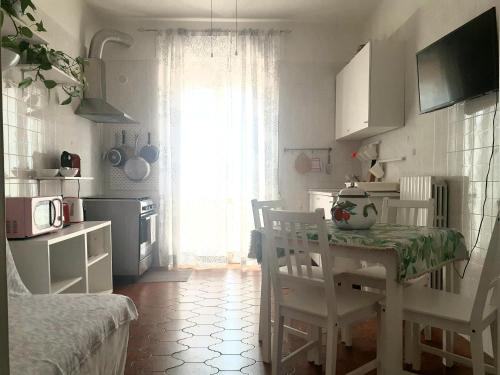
{"x":420,"y":249}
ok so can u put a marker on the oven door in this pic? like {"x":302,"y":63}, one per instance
{"x":147,"y":233}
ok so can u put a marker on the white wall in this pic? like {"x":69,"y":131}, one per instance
{"x":312,"y":54}
{"x":454,"y":142}
{"x":36,"y":129}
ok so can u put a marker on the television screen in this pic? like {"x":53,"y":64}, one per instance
{"x":461,"y":65}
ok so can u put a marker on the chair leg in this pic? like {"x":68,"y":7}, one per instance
{"x":417,"y":353}
{"x":477,"y":353}
{"x":319,"y":347}
{"x":346,"y":336}
{"x":263,"y":307}
{"x":494,"y":342}
{"x":313,"y":355}
{"x":380,"y":339}
{"x":277,"y":342}
{"x":265,"y":327}
{"x":331,"y":349}
{"x":408,"y":339}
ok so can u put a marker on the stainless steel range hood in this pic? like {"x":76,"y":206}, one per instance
{"x":94,"y":105}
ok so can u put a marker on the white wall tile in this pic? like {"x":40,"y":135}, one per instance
{"x":35,"y":136}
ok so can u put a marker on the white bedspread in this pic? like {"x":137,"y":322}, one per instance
{"x":55,"y":334}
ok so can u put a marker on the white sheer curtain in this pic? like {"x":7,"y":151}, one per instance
{"x":218,"y":119}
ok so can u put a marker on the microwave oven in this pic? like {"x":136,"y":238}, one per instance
{"x":32,"y":216}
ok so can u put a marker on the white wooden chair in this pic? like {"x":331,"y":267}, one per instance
{"x":403,"y":212}
{"x":307,"y":298}
{"x":460,"y":313}
{"x":265,"y":317}
{"x":407,"y":213}
{"x":265,"y":320}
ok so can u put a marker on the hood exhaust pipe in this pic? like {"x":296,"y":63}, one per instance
{"x":94,"y":105}
{"x":104,"y":36}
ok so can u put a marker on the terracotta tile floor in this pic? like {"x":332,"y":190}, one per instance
{"x":209,"y":325}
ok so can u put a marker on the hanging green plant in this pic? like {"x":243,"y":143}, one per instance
{"x":39,"y":55}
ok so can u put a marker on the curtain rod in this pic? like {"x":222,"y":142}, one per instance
{"x":145,"y":30}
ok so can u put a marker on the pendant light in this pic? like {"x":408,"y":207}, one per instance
{"x":236,"y":28}
{"x":211,"y":28}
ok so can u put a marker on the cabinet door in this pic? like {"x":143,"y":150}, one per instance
{"x":341,"y":109}
{"x":321,"y":201}
{"x":354,"y":92}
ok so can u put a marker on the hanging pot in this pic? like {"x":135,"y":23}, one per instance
{"x":116,"y":156}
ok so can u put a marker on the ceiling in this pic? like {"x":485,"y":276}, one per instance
{"x":344,"y":11}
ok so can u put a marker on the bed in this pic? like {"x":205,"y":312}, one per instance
{"x":66,"y":334}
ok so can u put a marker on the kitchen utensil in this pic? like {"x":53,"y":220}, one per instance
{"x":71,"y":161}
{"x":66,"y":216}
{"x":47,"y":172}
{"x":128,"y":151}
{"x":149,"y":152}
{"x":377,"y":170}
{"x":315,"y":165}
{"x":303,"y":163}
{"x":329,"y":165}
{"x":353,"y":209}
{"x":370,"y":151}
{"x":116,"y":155}
{"x":68,"y":172}
{"x":136,"y":168}
{"x":75,"y":209}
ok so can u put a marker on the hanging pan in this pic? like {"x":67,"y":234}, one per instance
{"x":149,"y":152}
{"x":137,"y":168}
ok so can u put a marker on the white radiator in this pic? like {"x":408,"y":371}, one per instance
{"x":423,"y":188}
{"x":427,"y":187}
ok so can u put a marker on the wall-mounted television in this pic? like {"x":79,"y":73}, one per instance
{"x":461,"y":65}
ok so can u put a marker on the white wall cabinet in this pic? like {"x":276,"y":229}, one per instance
{"x":76,"y":259}
{"x":370,"y":92}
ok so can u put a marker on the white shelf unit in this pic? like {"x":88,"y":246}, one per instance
{"x":28,"y":70}
{"x":9,"y":29}
{"x":76,"y":259}
{"x":55,"y":74}
{"x":61,"y":180}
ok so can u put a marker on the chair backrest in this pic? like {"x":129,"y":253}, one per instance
{"x":488,"y":287}
{"x":287,"y":234}
{"x":257,"y":207}
{"x":408,"y":211}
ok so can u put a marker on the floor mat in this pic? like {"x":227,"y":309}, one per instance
{"x":161,"y":275}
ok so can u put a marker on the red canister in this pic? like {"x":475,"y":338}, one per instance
{"x":66,"y":214}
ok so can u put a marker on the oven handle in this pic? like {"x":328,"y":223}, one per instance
{"x":147,"y":215}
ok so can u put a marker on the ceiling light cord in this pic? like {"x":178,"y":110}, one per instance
{"x":211,"y":28}
{"x":236,"y":28}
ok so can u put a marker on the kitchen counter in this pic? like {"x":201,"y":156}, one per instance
{"x":334,"y":192}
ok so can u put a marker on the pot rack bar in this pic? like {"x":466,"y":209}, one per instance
{"x":402,"y":158}
{"x":291,"y":149}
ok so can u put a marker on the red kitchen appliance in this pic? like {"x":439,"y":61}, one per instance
{"x":66,"y":214}
{"x":32,"y":216}
{"x":71,"y":161}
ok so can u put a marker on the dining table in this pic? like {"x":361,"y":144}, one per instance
{"x":406,"y":252}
